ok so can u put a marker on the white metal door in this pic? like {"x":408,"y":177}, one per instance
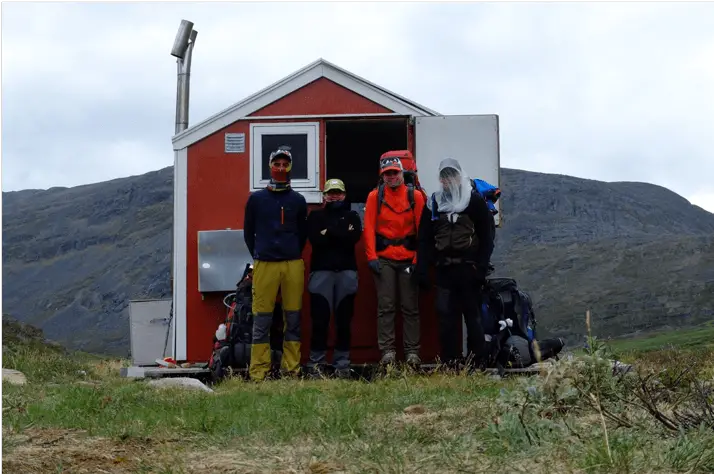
{"x":471,"y":139}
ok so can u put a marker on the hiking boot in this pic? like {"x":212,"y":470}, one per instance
{"x":315,"y":372}
{"x":344,"y":373}
{"x":389,"y":357}
{"x":413,"y":360}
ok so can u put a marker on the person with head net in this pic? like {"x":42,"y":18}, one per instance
{"x":455,"y":236}
{"x":275,"y":232}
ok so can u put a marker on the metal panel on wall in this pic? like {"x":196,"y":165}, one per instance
{"x":151,"y":327}
{"x":222,"y":257}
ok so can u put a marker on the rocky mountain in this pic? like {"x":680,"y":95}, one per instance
{"x":73,"y":257}
{"x":638,"y":255}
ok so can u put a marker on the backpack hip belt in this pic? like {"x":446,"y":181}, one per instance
{"x":444,"y":261}
{"x":408,"y":242}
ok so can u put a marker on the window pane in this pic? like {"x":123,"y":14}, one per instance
{"x":298,"y":148}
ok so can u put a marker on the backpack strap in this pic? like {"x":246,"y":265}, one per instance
{"x":380,"y":196}
{"x":410,"y":196}
{"x":527,"y":309}
{"x":517,"y":306}
{"x":412,"y":205}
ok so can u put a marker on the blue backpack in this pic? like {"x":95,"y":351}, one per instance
{"x":488,"y":192}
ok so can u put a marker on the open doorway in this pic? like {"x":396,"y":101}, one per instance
{"x":353,"y":148}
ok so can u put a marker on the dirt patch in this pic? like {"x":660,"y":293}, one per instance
{"x":452,"y":420}
{"x":56,"y":450}
{"x":255,"y":459}
{"x":415,"y":410}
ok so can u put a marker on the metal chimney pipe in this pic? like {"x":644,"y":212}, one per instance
{"x":181,"y":40}
{"x":183,"y":65}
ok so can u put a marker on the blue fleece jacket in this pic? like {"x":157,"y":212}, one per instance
{"x":275,"y":225}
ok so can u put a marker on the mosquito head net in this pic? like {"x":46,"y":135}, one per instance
{"x":455,"y":192}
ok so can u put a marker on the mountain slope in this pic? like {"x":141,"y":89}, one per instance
{"x":540,"y":208}
{"x":638,"y":255}
{"x":630,"y":285}
{"x":73,"y":257}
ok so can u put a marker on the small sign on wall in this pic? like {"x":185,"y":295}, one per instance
{"x":235,"y":143}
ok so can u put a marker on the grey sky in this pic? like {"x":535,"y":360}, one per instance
{"x":608,"y":91}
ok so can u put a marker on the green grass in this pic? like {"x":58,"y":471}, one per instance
{"x":77,"y":415}
{"x":689,"y":338}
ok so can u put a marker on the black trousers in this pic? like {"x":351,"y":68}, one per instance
{"x":331,"y":292}
{"x":458,"y":291}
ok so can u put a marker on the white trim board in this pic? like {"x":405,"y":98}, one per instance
{"x":291,"y":83}
{"x":180,"y":288}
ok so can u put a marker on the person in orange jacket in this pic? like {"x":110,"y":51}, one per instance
{"x":390,"y":240}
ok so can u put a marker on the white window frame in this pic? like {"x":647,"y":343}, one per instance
{"x":310,"y":187}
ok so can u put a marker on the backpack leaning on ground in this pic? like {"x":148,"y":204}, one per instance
{"x":234,"y":338}
{"x":510,"y":327}
{"x":232,"y":342}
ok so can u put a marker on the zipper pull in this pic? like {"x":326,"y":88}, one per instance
{"x":282,"y":215}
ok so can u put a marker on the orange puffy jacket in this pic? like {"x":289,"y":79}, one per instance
{"x":395,"y":221}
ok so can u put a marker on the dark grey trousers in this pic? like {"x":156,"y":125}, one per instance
{"x":331,"y":293}
{"x":393,"y":282}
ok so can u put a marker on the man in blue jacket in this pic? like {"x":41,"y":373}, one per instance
{"x":275,"y":230}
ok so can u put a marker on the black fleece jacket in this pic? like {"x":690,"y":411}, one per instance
{"x":478,"y":212}
{"x":335,"y":250}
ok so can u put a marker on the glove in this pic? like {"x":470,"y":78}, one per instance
{"x":374,"y":266}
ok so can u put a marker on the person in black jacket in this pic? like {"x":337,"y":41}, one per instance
{"x":275,"y":232}
{"x":333,"y":232}
{"x":455,"y":236}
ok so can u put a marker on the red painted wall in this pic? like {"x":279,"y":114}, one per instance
{"x":321,"y":97}
{"x":218,"y":187}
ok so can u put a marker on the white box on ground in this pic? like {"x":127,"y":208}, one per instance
{"x":151,"y":327}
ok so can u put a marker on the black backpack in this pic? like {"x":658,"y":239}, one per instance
{"x":233,"y":352}
{"x":505,"y":300}
{"x":514,"y":345}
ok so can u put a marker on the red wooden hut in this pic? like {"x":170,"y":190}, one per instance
{"x":338,"y":125}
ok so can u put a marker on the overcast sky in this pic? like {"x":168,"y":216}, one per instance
{"x":615,"y":92}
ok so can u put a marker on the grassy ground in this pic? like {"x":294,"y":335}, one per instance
{"x":692,"y":338}
{"x":78,"y":415}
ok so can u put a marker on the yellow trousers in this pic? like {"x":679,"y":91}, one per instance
{"x":268,"y":278}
